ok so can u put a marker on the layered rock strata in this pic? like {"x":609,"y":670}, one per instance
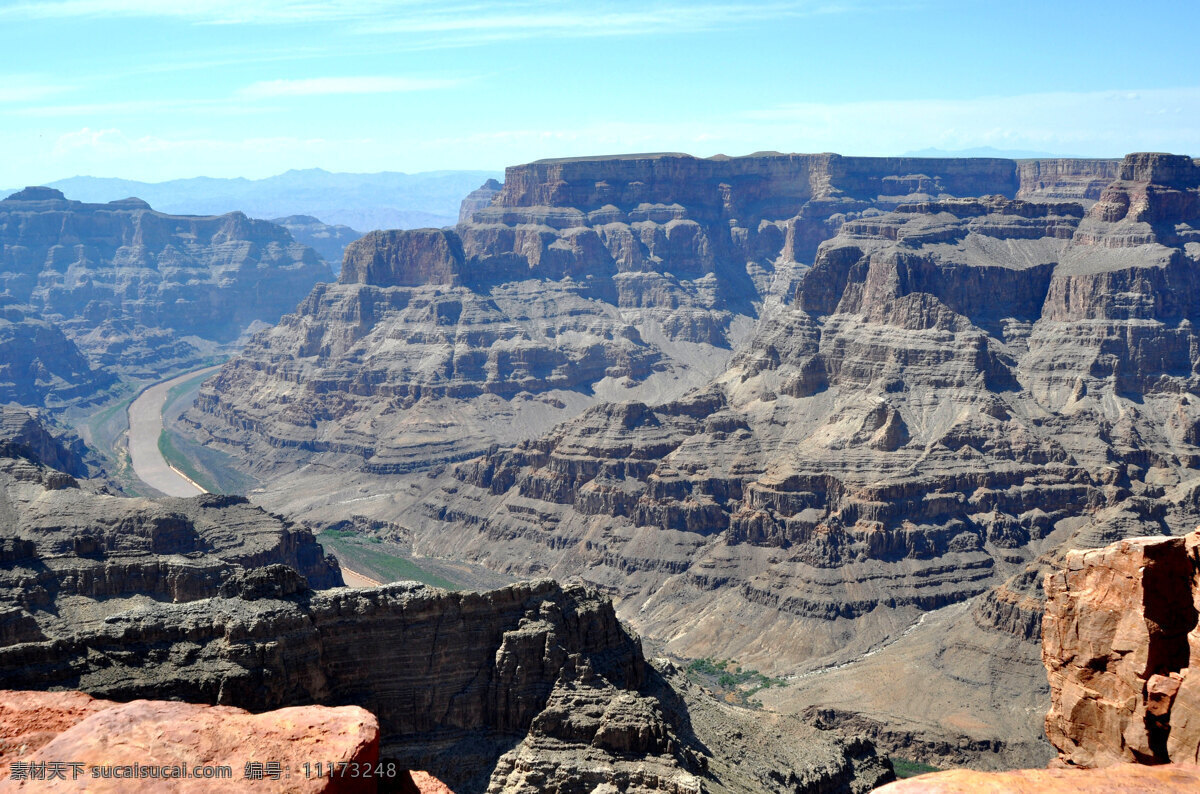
{"x":456,"y":680}
{"x":577,"y":280}
{"x":959,"y":388}
{"x":140,"y":291}
{"x":478,"y":199}
{"x":1122,"y":646}
{"x":328,"y":240}
{"x":39,"y":365}
{"x":41,"y":729}
{"x":73,"y":552}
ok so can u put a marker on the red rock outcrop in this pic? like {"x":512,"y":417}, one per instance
{"x":115,"y":738}
{"x":1165,"y":779}
{"x":1122,"y":651}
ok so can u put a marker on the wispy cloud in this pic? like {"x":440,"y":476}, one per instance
{"x":27,"y":88}
{"x":201,"y":11}
{"x":140,"y":107}
{"x":317,"y":86}
{"x":590,"y":19}
{"x":452,"y":22}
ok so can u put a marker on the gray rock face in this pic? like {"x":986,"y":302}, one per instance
{"x":454,"y":678}
{"x":130,"y":286}
{"x":22,"y":435}
{"x":209,"y":600}
{"x":74,"y":553}
{"x":596,"y":278}
{"x":942,"y":391}
{"x":958,"y":387}
{"x":477,"y":199}
{"x":39,"y":365}
{"x":328,"y":240}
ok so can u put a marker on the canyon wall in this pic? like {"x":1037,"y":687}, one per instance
{"x":576,"y":281}
{"x":947,"y":382}
{"x":139,"y":291}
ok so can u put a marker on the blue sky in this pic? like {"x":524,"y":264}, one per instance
{"x":155,"y":90}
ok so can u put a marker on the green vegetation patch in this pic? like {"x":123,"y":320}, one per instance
{"x":364,"y":555}
{"x":905,"y":768}
{"x":735,"y":683}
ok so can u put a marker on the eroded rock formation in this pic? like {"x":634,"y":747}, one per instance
{"x":456,"y":679}
{"x":1122,"y":647}
{"x":578,"y":280}
{"x":208,"y":600}
{"x":73,"y":552}
{"x":140,"y":291}
{"x":1166,"y":779}
{"x":943,"y":390}
{"x":39,"y":365}
{"x":328,"y":240}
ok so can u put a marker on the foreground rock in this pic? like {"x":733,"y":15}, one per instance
{"x":456,"y":679}
{"x":1122,"y":648}
{"x":100,"y":734}
{"x":139,"y":291}
{"x":1167,"y":779}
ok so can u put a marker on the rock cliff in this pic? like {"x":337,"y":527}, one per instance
{"x":948,"y":381}
{"x":1121,"y":644}
{"x":328,"y":240}
{"x":1165,"y":779}
{"x":73,"y":552}
{"x":958,"y":388}
{"x":209,"y":600}
{"x":39,"y":365}
{"x":140,"y":291}
{"x":465,"y":685}
{"x":576,"y":281}
{"x":477,"y":199}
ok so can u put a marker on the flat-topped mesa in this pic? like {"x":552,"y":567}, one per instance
{"x":404,"y":258}
{"x":749,"y":186}
{"x":1172,"y":170}
{"x":1065,"y":178}
{"x":1155,"y":190}
{"x":37,"y":194}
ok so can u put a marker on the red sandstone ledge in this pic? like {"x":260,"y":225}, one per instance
{"x":1120,"y":779}
{"x":69,"y":741}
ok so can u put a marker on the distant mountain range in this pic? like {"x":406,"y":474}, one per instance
{"x":387,"y":200}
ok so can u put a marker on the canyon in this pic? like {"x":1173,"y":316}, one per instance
{"x":829,"y":417}
{"x":210,"y":600}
